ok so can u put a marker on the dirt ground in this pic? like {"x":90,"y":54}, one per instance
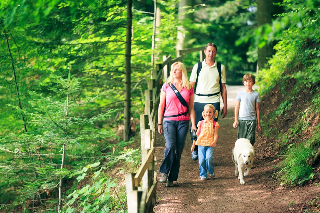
{"x":224,"y":193}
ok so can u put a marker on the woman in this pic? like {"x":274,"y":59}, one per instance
{"x":175,"y":114}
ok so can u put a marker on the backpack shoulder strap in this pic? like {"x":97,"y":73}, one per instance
{"x":179,"y":96}
{"x":198,"y":71}
{"x":200,"y":127}
{"x":219,"y":70}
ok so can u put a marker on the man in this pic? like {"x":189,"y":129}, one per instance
{"x":207,"y":89}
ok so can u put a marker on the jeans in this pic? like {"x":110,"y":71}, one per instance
{"x":175,"y":133}
{"x":205,"y":154}
{"x":198,"y":109}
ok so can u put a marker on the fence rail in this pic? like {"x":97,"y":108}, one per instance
{"x":141,"y":186}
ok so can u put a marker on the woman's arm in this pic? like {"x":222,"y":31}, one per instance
{"x":192,"y":114}
{"x":160,"y":111}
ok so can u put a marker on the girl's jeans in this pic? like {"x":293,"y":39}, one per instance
{"x":205,"y":154}
{"x":175,"y":133}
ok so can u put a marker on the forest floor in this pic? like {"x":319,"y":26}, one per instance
{"x":223,"y":193}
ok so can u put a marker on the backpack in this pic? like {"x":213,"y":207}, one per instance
{"x":198,"y":72}
{"x":213,"y":125}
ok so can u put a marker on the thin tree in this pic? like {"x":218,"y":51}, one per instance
{"x":15,"y":78}
{"x":127,"y":97}
{"x":184,"y":34}
{"x":264,"y":16}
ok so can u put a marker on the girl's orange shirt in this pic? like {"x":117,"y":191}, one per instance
{"x":207,"y":133}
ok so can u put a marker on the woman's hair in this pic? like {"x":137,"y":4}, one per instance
{"x":215,"y":112}
{"x":249,"y":76}
{"x":185,"y":81}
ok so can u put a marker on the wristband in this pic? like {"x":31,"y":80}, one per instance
{"x":159,"y":124}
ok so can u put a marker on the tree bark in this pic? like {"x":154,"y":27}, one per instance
{"x":127,"y":97}
{"x":184,"y":35}
{"x":265,"y":12}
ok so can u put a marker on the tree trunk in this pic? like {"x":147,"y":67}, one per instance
{"x":184,"y":35}
{"x":127,"y":97}
{"x":264,"y":16}
{"x":15,"y":79}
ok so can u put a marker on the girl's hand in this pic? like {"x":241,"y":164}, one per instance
{"x":193,"y":146}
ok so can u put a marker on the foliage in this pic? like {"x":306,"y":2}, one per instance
{"x":295,"y":169}
{"x":293,"y":78}
{"x":62,"y":75}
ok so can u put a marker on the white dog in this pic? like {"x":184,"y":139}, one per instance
{"x":243,"y":155}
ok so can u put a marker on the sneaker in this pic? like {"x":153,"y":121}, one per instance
{"x":163,"y":178}
{"x":203,"y":178}
{"x":194,"y":155}
{"x":212,"y":175}
{"x":170,"y":184}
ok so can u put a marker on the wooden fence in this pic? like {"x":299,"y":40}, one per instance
{"x":141,"y":186}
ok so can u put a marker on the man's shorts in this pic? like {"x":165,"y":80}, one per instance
{"x":246,"y":129}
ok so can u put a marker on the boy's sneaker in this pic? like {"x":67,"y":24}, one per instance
{"x":212,"y":175}
{"x":163,"y":178}
{"x":170,"y":184}
{"x":203,"y":178}
{"x":194,"y":155}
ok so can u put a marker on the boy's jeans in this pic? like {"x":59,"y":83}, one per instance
{"x":205,"y":154}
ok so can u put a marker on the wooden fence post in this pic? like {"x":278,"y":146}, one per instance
{"x":133,"y":195}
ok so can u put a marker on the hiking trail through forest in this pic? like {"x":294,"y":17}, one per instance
{"x":224,"y":193}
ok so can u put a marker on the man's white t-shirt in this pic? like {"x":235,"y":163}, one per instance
{"x":208,"y":82}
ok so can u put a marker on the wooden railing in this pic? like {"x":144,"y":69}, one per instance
{"x":142,"y":198}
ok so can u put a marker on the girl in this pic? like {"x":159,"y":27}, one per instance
{"x":175,"y":115}
{"x":207,"y":135}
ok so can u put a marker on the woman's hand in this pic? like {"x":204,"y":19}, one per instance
{"x":193,"y":127}
{"x":160,"y":129}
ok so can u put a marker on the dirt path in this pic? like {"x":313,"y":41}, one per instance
{"x":223,"y":193}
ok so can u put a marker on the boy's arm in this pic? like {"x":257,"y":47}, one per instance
{"x":258,"y":116}
{"x":236,"y":114}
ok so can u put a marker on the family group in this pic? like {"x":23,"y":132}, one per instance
{"x":198,"y":101}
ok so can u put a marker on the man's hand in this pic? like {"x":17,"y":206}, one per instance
{"x":224,"y":112}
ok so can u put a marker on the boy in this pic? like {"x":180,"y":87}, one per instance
{"x":247,"y":113}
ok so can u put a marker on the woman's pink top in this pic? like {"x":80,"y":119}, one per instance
{"x":173,"y":105}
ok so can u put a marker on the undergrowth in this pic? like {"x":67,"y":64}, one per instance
{"x":291,"y":86}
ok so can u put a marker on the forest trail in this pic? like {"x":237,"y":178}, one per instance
{"x":224,"y":193}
